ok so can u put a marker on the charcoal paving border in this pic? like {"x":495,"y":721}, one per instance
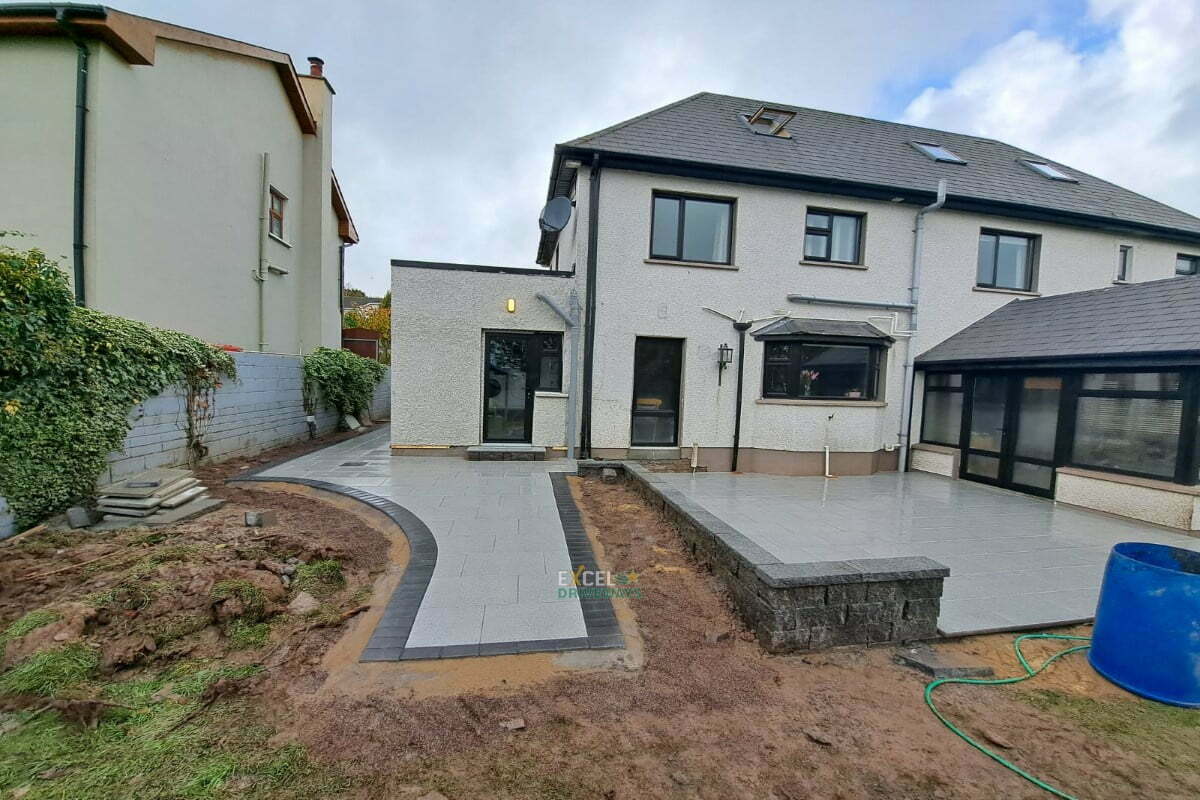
{"x":389,"y":639}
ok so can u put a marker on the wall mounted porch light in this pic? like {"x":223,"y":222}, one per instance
{"x":724,"y":359}
{"x":510,"y":305}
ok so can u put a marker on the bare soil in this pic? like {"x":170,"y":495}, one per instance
{"x":693,"y":708}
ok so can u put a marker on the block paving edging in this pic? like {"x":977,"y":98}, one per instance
{"x":389,"y":639}
{"x":800,"y":606}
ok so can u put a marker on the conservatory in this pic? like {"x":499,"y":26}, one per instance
{"x":1089,"y":397}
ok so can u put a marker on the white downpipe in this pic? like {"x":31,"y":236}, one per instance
{"x":906,"y":403}
{"x":827,"y":475}
{"x":695,"y":455}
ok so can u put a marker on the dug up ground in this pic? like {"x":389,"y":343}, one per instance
{"x":179,"y":663}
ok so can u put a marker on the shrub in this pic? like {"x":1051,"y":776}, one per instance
{"x":346,"y":381}
{"x":68,"y":379}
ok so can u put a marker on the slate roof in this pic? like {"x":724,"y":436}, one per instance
{"x":707,"y":129}
{"x":1152,"y":318}
{"x":820,"y":327}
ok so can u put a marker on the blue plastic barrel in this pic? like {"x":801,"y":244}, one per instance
{"x":1147,"y":633}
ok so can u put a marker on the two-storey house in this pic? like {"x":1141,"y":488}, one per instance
{"x":179,"y":178}
{"x":751,"y":284}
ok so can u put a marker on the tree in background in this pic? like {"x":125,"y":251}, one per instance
{"x":386,"y":302}
{"x":350,"y":291}
{"x":378,"y":320}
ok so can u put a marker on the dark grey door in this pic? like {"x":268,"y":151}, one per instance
{"x":1010,"y":430}
{"x":657,"y":365}
{"x":508,"y":388}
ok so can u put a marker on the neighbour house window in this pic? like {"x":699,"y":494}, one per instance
{"x":1006,"y":261}
{"x":691,"y":229}
{"x":833,"y":236}
{"x":1129,"y":422}
{"x":1187,"y":265}
{"x":941,"y":421}
{"x":550,"y":362}
{"x":810,"y":369}
{"x":1125,"y":263}
{"x":278,"y":204}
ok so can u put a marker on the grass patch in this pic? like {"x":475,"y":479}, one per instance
{"x":251,"y":597}
{"x":245,"y":635}
{"x":136,"y":754}
{"x":177,"y":626}
{"x":1168,"y":735}
{"x":49,"y":672}
{"x":30,"y":622}
{"x":320,"y":577}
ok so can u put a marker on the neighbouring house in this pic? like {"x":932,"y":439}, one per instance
{"x":354,"y":302}
{"x":181,"y":178}
{"x":753,"y":283}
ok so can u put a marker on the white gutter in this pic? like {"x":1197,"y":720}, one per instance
{"x":572,"y":322}
{"x":914,"y":291}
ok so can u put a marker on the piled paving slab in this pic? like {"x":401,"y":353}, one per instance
{"x":795,"y":607}
{"x":155,"y":497}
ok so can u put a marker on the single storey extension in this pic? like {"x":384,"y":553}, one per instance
{"x":751,"y":285}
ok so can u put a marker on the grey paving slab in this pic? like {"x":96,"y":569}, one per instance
{"x":490,"y":526}
{"x":1015,"y":561}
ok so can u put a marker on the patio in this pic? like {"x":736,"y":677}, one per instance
{"x":1015,"y":561}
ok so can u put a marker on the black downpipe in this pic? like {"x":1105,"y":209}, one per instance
{"x":81,"y":110}
{"x":589,"y":331}
{"x":741,"y":328}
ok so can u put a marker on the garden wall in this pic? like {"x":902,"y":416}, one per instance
{"x":263,"y":408}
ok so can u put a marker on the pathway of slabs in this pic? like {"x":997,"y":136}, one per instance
{"x":488,"y":542}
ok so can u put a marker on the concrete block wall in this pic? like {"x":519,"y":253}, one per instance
{"x":261,"y":409}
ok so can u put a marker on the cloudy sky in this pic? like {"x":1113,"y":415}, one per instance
{"x":447,"y":112}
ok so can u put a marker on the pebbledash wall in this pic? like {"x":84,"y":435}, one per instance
{"x":263,"y":408}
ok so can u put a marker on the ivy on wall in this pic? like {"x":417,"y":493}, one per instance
{"x":69,"y":377}
{"x":346,"y":381}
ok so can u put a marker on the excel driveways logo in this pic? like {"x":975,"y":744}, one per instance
{"x":596,"y":584}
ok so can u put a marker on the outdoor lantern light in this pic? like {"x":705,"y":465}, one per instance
{"x":724,"y":359}
{"x":511,"y":305}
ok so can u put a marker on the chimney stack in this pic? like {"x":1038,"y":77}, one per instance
{"x":316,"y":67}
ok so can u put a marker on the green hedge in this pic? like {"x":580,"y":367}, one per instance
{"x":346,"y":381}
{"x":69,"y":377}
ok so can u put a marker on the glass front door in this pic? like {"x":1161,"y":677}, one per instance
{"x":1011,"y":430}
{"x":508,"y":388}
{"x":656,"y":369}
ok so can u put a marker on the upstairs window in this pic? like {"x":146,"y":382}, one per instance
{"x":1048,"y":171}
{"x":1187,"y":265}
{"x":691,"y":229}
{"x":938,"y":153}
{"x":811,"y":370}
{"x":1006,"y":261}
{"x":1125,"y":263}
{"x":833,"y":236}
{"x":278,"y":205}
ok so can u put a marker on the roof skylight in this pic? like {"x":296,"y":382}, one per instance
{"x":1047,"y":170}
{"x":938,"y":153}
{"x":770,"y":121}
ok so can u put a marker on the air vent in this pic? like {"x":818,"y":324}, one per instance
{"x":769,"y":121}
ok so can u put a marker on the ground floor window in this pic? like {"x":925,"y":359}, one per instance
{"x":1020,"y":425}
{"x":941,"y":422}
{"x":809,"y":369}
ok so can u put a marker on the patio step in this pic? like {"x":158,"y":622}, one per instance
{"x":506,"y":452}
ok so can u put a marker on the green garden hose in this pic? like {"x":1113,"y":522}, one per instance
{"x":1029,"y":673}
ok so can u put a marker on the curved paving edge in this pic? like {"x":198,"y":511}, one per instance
{"x":388,"y":640}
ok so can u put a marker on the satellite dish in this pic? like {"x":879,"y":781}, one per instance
{"x":556,"y":214}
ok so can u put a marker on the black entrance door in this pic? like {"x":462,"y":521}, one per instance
{"x":509,"y":382}
{"x":656,"y":369}
{"x":1010,"y":426}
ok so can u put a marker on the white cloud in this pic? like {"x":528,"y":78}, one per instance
{"x":1127,"y":110}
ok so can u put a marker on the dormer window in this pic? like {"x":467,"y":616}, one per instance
{"x":1048,"y":171}
{"x":938,"y":153}
{"x":770,"y":121}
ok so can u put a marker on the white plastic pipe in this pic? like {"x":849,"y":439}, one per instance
{"x":827,"y":475}
{"x":695,"y":455}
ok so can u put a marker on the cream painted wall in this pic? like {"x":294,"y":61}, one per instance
{"x":174,"y":187}
{"x":438,"y":319}
{"x":37,"y":144}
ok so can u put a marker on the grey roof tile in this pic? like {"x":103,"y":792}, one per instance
{"x":1142,"y":318}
